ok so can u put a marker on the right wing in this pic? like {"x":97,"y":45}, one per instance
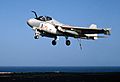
{"x":83,"y":30}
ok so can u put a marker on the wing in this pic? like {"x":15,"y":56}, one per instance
{"x":83,"y":30}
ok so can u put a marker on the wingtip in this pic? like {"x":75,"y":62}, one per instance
{"x":107,"y":31}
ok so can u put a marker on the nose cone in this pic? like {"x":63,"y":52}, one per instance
{"x":29,"y":22}
{"x":33,"y":22}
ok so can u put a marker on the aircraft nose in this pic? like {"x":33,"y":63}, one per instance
{"x":29,"y":22}
{"x":33,"y":22}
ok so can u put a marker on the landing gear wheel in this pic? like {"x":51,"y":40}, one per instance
{"x":54,"y":42}
{"x":68,"y":42}
{"x":36,"y":37}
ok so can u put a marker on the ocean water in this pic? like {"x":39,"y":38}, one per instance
{"x":59,"y":69}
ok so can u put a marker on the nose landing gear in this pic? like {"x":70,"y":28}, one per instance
{"x":36,"y":37}
{"x":37,"y":34}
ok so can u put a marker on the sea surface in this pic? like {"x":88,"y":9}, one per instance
{"x":58,"y":69}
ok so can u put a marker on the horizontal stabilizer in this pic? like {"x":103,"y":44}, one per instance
{"x":92,"y":36}
{"x":102,"y":36}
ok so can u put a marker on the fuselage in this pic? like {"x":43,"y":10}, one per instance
{"x":48,"y":28}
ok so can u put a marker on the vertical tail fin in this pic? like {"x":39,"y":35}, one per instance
{"x":93,"y":26}
{"x":93,"y":36}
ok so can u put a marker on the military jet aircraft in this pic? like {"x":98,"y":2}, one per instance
{"x":46,"y":26}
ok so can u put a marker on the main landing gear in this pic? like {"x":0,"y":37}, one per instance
{"x":54,"y":42}
{"x":68,"y":42}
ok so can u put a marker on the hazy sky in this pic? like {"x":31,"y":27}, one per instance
{"x":19,"y":48}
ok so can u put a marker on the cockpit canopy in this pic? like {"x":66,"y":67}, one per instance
{"x":44,"y":18}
